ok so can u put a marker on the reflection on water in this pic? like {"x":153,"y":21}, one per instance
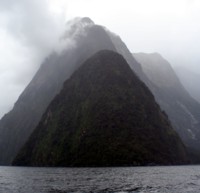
{"x":178,"y":179}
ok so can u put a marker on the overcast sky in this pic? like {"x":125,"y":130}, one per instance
{"x":29,"y":30}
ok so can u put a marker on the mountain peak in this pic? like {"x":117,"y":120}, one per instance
{"x":86,"y":20}
{"x":76,"y":27}
{"x":79,"y":21}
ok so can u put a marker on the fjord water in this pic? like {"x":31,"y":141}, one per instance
{"x":179,"y":179}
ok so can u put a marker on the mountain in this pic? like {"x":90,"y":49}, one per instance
{"x":190,"y":81}
{"x":85,"y":38}
{"x":81,"y":40}
{"x":103,"y":116}
{"x":182,"y":110}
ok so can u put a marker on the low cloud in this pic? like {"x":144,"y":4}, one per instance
{"x":29,"y":30}
{"x":33,"y":24}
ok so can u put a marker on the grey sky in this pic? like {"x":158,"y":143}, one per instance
{"x":29,"y":30}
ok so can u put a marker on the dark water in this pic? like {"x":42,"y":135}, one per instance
{"x":177,"y":179}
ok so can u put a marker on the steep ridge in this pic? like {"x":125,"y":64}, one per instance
{"x":103,"y":116}
{"x":182,"y":109}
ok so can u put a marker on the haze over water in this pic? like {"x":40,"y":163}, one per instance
{"x":179,"y":179}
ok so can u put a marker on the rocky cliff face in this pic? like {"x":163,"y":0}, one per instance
{"x":182,"y":109}
{"x":103,"y":116}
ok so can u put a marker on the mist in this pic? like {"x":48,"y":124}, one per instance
{"x":30,"y":30}
{"x":190,"y":80}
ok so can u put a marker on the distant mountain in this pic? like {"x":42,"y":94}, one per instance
{"x":103,"y":116}
{"x":190,"y":81}
{"x":182,"y":109}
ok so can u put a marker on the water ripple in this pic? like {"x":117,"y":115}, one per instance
{"x":179,"y":179}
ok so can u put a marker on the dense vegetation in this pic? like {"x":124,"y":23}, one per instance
{"x":103,"y":116}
